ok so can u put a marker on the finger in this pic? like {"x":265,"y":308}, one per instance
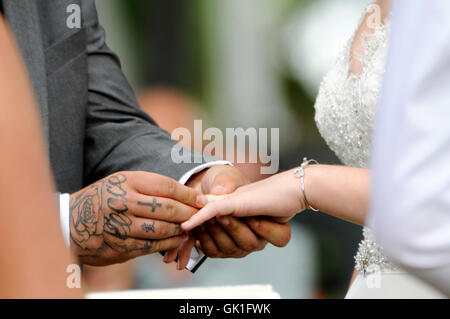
{"x":184,"y":253}
{"x":223,"y":241}
{"x":151,"y":184}
{"x":160,"y":208}
{"x":214,"y":198}
{"x":207,"y":244}
{"x":168,"y":243}
{"x":236,"y":204}
{"x":275,"y":233}
{"x":144,"y":228}
{"x":131,"y":247}
{"x":170,"y":255}
{"x":241,"y":233}
{"x":213,"y":209}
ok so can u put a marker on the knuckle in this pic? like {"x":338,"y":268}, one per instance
{"x":163,"y":230}
{"x":210,"y":251}
{"x":261,"y":245}
{"x":187,"y":195}
{"x":192,"y":196}
{"x":230,"y":250}
{"x":232,"y":226}
{"x":250,"y":245}
{"x":170,"y":187}
{"x":155,"y":246}
{"x":170,"y":211}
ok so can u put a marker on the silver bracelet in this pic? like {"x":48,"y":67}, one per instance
{"x":300,"y":173}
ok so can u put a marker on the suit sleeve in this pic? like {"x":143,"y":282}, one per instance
{"x":119,"y":135}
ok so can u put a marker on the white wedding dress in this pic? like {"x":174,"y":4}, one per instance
{"x":345,"y":115}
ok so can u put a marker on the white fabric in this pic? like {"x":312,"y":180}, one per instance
{"x":64,"y":217}
{"x":391,"y":285}
{"x":219,"y":292}
{"x":345,"y":115}
{"x":410,"y":211}
{"x":183,"y":180}
{"x":64,"y":209}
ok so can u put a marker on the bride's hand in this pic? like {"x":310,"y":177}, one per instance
{"x":279,"y":196}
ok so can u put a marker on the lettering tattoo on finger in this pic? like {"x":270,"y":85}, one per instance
{"x":148,"y":227}
{"x":117,"y":223}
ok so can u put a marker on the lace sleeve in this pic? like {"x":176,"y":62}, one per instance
{"x":348,"y":95}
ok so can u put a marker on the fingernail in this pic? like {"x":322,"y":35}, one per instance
{"x":223,"y":221}
{"x":201,"y":200}
{"x":217,"y":190}
{"x":185,"y":225}
{"x":165,"y":259}
{"x":178,"y":265}
{"x":253,"y":222}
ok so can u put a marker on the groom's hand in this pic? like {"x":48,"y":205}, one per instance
{"x":129,"y":214}
{"x":230,"y":236}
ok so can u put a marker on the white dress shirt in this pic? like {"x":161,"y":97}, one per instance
{"x":410,"y":206}
{"x":64,"y":212}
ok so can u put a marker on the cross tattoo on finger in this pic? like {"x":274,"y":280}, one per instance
{"x":154,"y":204}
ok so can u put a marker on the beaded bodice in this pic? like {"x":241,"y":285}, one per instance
{"x":345,"y":116}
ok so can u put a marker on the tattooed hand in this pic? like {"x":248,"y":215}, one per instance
{"x":129,"y":214}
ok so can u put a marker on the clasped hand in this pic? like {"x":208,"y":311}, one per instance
{"x":130,"y":214}
{"x":278,"y":197}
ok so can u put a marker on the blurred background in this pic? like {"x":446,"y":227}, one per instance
{"x":239,"y":63}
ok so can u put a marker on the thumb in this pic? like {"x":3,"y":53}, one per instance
{"x":224,"y":181}
{"x":224,"y":184}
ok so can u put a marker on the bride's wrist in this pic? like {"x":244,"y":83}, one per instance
{"x":306,"y":179}
{"x":294,"y":188}
{"x":310,"y":180}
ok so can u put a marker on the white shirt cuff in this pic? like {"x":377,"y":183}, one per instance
{"x":64,"y":216}
{"x":200,"y":168}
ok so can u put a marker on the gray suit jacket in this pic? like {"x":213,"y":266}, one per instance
{"x":92,"y":121}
